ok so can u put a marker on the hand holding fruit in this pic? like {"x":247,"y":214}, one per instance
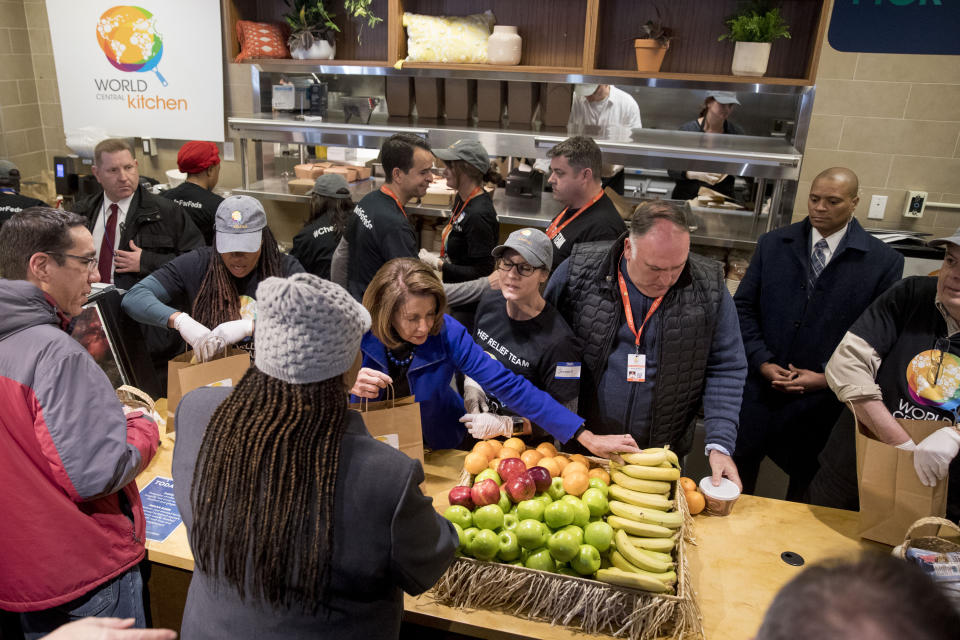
{"x":484,"y":426}
{"x":474,"y":398}
{"x":608,"y":446}
{"x":369,"y":382}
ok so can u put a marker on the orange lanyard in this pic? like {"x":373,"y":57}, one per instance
{"x":629,"y":311}
{"x":456,"y":216}
{"x":555,"y":226}
{"x":387,"y":191}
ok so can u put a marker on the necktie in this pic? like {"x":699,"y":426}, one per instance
{"x":105,"y":264}
{"x":817,"y":262}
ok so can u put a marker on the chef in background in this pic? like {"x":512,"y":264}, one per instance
{"x":603,"y":105}
{"x":713,"y":118}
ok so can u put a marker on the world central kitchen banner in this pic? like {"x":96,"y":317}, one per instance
{"x":152,"y":69}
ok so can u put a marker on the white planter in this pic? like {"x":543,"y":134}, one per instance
{"x":750,"y":58}
{"x":321,"y":50}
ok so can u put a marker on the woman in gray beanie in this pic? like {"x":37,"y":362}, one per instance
{"x":302,"y":525}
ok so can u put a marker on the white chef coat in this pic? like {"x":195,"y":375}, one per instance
{"x":619,"y":109}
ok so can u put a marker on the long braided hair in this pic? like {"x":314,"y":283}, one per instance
{"x":218,"y":300}
{"x":264,"y":487}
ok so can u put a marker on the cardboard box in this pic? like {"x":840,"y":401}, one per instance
{"x":428,"y":93}
{"x":308,"y":171}
{"x":522,"y":100}
{"x":459,"y":98}
{"x":399,"y":94}
{"x":555,"y":102}
{"x":300,"y":186}
{"x":491,"y":97}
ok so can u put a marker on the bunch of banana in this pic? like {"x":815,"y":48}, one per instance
{"x":639,"y":568}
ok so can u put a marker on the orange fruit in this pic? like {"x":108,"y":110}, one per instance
{"x":495,"y":463}
{"x":562,"y":461}
{"x":495,"y":445}
{"x":484,"y":448}
{"x":575,"y":483}
{"x":695,"y":501}
{"x":687,"y":484}
{"x":509,"y":452}
{"x":531,"y":457}
{"x":517,"y":444}
{"x":600,"y":472}
{"x":574,"y":467}
{"x":546,"y":449}
{"x":475,"y":462}
{"x":550,"y":464}
{"x":581,"y":459}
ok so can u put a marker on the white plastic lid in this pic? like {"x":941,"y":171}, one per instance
{"x":726,"y":491}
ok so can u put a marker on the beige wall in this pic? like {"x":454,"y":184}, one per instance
{"x":894,"y":120}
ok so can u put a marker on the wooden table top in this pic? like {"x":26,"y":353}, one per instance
{"x":735,"y":564}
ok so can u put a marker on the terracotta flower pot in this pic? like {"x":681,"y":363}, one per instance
{"x":649,"y":54}
{"x":750,"y":58}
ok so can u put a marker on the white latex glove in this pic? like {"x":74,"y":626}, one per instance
{"x":234,"y":331}
{"x":483,"y":426}
{"x":474,"y":398}
{"x":431,"y":259}
{"x":369,"y":382}
{"x":909,"y":445}
{"x":933,"y":455}
{"x":192,"y":331}
{"x":709,"y":178}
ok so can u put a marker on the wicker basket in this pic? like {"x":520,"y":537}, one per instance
{"x":928,"y":543}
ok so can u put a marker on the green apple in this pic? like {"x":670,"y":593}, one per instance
{"x":509,"y":546}
{"x":518,"y":563}
{"x":597,"y":483}
{"x":488,"y":517}
{"x":488,"y":473}
{"x":544,"y":497}
{"x":510,"y":521}
{"x":556,"y":489}
{"x":530,"y":509}
{"x":532,"y":534}
{"x":586,"y":561}
{"x":468,"y":536}
{"x":541,"y":560}
{"x":581,"y":514}
{"x":558,"y":514}
{"x":461,"y":541}
{"x":576,"y":531}
{"x":596,"y":502}
{"x":599,"y":535}
{"x":565,"y":570}
{"x":459,"y":514}
{"x":485,"y":545}
{"x":563,"y":545}
{"x":505,"y":504}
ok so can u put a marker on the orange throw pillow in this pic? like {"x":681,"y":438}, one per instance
{"x":261,"y":40}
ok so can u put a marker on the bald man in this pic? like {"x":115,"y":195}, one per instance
{"x":805,"y":286}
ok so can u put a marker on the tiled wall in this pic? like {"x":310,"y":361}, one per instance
{"x":894,"y":120}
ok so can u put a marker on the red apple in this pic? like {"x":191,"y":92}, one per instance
{"x":485,"y":492}
{"x":461,"y":495}
{"x":521,"y":488}
{"x":510,"y":468}
{"x":541,"y":477}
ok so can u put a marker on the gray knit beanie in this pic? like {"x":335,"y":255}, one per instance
{"x":308,"y":329}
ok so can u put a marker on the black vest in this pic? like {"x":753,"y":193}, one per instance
{"x":686,"y":319}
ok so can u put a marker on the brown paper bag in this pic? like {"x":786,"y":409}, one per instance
{"x":184,"y":376}
{"x":892,"y":497}
{"x":396,"y":422}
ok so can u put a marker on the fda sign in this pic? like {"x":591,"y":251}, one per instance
{"x":895,"y":26}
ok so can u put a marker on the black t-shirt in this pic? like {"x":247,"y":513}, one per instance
{"x":543,"y":349}
{"x":473,"y":236}
{"x":377,"y":232}
{"x":601,"y":221}
{"x":11,"y":203}
{"x":199,"y":203}
{"x":314,"y":245}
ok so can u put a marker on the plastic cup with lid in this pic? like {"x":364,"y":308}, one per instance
{"x":719,"y":500}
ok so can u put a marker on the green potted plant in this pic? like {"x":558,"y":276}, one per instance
{"x":753,"y":30}
{"x":651,"y":44}
{"x":313,"y":31}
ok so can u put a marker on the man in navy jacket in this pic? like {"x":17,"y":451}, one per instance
{"x":805,"y":286}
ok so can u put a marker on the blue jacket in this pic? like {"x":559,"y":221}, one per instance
{"x":451,"y":351}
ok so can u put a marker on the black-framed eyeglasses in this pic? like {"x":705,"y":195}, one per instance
{"x":90,"y":262}
{"x":522,"y":268}
{"x":942,"y":345}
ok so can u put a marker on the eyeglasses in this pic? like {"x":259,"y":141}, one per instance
{"x":523,"y":269}
{"x":90,"y":262}
{"x":943,"y":346}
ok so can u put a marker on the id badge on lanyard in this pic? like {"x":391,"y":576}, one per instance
{"x":636,"y":362}
{"x":636,"y":367}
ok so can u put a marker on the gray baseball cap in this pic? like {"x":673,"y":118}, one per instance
{"x":7,"y":170}
{"x":470,"y":151}
{"x":724,"y":97}
{"x":332,"y":185}
{"x":954,"y":239}
{"x":532,"y":244}
{"x":239,"y":223}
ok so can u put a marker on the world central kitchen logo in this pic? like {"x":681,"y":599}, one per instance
{"x":132,"y":43}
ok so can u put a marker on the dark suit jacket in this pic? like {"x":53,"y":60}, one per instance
{"x":780,"y":323}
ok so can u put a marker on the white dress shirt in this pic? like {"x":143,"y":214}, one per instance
{"x":833,"y":240}
{"x":101,"y":225}
{"x":619,"y":109}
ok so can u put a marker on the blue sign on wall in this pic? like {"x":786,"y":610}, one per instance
{"x":896,"y":26}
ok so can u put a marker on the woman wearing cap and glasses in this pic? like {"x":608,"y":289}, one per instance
{"x":713,"y":118}
{"x":524,"y":332}
{"x":330,"y":208}
{"x":316,"y":529}
{"x":214,"y":286}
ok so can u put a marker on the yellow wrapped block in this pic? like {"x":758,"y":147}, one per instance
{"x":451,"y":40}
